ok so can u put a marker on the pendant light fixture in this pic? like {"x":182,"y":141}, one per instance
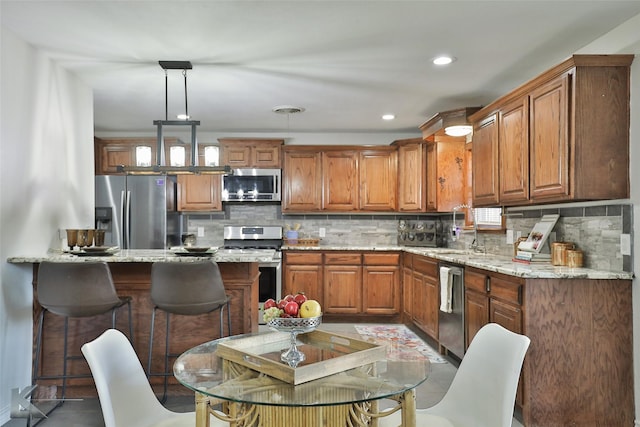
{"x":288,"y":110}
{"x":183,"y":120}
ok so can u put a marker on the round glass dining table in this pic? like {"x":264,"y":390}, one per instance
{"x":346,"y":396}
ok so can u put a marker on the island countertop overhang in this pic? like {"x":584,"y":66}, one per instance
{"x":151,"y":256}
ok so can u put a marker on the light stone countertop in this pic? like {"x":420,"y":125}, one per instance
{"x":153,"y":255}
{"x":490,"y":262}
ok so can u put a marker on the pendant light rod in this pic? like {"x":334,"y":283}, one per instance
{"x":186,"y":104}
{"x":166,"y":94}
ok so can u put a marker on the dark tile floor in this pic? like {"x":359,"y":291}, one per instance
{"x":87,"y":413}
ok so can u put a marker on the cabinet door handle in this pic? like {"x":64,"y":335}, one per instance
{"x":520,"y":295}
{"x":487,"y":283}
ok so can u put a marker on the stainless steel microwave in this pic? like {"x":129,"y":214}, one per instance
{"x":252,"y":185}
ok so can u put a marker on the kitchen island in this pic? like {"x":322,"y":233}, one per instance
{"x":131,"y":271}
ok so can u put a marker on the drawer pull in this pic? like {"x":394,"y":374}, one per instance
{"x":487,"y":283}
{"x":520,"y":295}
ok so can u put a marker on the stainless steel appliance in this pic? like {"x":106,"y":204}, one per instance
{"x":137,"y":211}
{"x":252,"y":185}
{"x":423,"y":232}
{"x":451,"y":325}
{"x":246,"y":238}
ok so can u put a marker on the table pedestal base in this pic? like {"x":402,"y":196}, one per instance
{"x":354,"y":415}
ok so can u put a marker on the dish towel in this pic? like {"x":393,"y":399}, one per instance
{"x":446,"y":282}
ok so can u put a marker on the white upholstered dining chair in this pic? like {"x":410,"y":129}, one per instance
{"x":483,"y":391}
{"x":126,"y":397}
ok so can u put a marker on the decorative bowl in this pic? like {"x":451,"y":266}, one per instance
{"x":297,"y":324}
{"x":196,"y":249}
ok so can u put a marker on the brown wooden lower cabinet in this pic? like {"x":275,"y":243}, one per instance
{"x":493,"y":298}
{"x":407,"y":288}
{"x":346,"y":283}
{"x":578,"y":370}
{"x":342,"y":286}
{"x":426,"y":295}
{"x":303,"y":273}
{"x":381,"y":284}
{"x":134,"y":279}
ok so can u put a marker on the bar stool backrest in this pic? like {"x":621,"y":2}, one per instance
{"x":187,"y":288}
{"x":77,"y":289}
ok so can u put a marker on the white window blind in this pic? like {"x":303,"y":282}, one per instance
{"x":488,"y":216}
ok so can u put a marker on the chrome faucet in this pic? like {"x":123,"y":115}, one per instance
{"x":475,"y":244}
{"x":454,"y":227}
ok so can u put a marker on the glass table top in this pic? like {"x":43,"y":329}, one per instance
{"x":202,"y":370}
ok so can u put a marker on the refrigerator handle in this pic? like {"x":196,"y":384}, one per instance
{"x":127,"y":220}
{"x":121,"y":216}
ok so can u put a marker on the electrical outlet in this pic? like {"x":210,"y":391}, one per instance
{"x":625,"y":244}
{"x":322,"y":232}
{"x":200,"y":231}
{"x":510,"y":237}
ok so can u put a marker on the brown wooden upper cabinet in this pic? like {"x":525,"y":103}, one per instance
{"x":112,"y":152}
{"x":563,"y":136}
{"x":445,"y":174}
{"x":302,"y":179}
{"x":251,"y":153}
{"x":378,"y":179}
{"x":345,"y":179}
{"x":485,"y":162}
{"x":199,"y":193}
{"x":340,"y":189}
{"x":446,"y":169}
{"x":412,"y":170}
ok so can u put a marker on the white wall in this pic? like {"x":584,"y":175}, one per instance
{"x":46,"y":183}
{"x":626,"y":39}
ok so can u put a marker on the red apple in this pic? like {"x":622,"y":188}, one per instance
{"x":300,"y":298}
{"x":282,"y":303}
{"x":270,"y":303}
{"x":288,"y":298}
{"x":291,"y":309}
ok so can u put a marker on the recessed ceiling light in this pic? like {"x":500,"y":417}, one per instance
{"x":443,"y":60}
{"x":388,"y":117}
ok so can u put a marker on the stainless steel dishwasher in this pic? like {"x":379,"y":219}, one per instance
{"x":451,"y":315}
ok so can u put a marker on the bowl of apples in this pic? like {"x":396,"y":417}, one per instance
{"x":295,"y":314}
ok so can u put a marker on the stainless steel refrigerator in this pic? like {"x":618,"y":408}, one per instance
{"x":137,"y":211}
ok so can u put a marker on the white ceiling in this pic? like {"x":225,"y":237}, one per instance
{"x":345,"y":62}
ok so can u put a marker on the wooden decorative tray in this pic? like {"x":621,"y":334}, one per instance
{"x":326,"y":354}
{"x":302,"y":242}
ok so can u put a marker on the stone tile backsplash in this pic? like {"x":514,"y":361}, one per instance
{"x":594,"y":229}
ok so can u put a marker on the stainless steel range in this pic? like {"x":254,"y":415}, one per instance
{"x":422,"y":232}
{"x":260,"y":238}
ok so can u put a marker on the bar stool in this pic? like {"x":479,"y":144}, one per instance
{"x":75,"y":290}
{"x":189,"y":289}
